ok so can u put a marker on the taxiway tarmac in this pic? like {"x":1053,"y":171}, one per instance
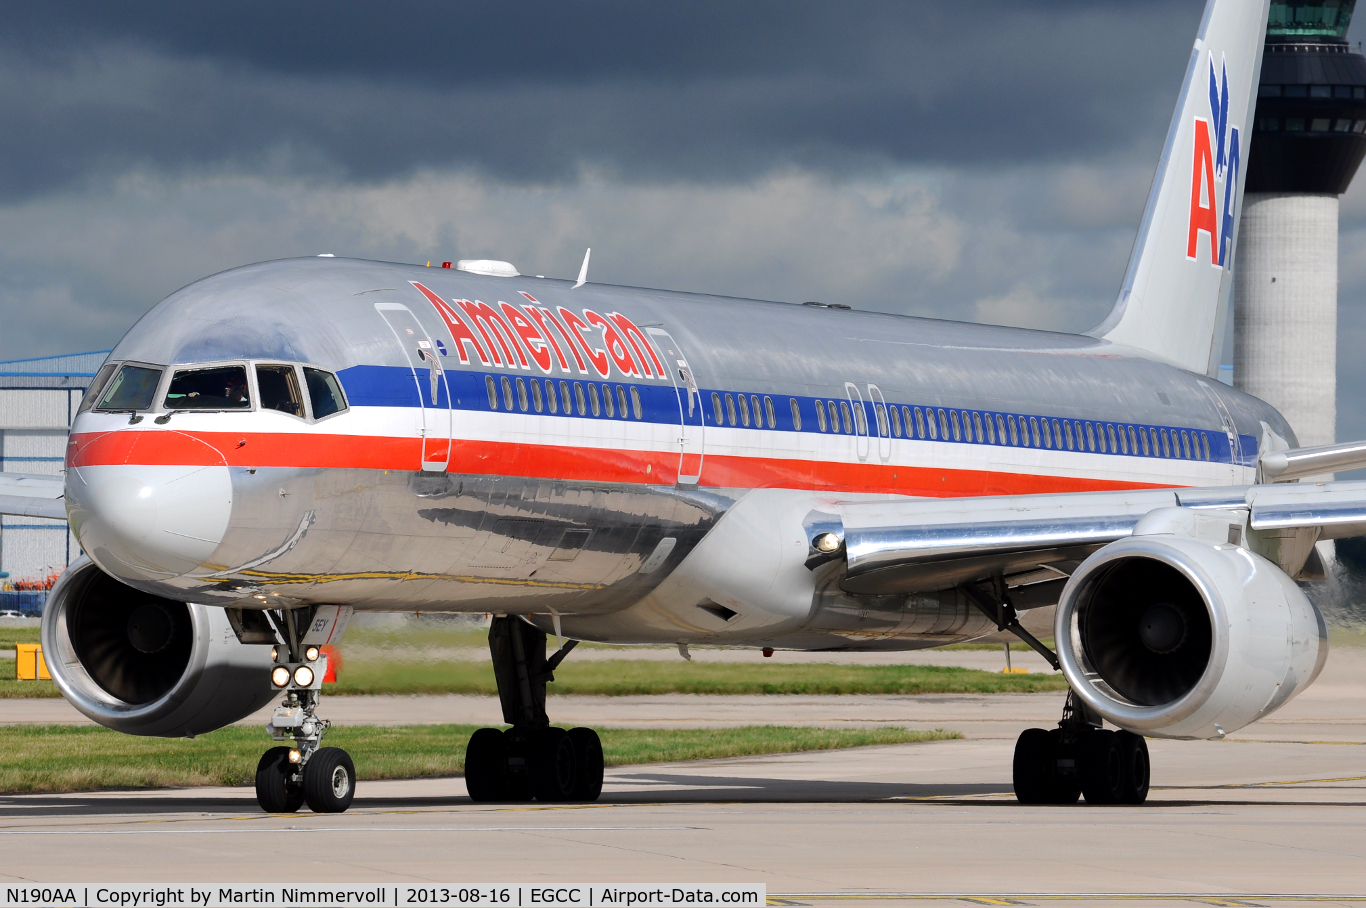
{"x":1277,"y":811}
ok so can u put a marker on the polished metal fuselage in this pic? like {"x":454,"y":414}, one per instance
{"x":567,"y":518}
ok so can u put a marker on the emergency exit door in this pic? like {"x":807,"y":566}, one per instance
{"x":690,"y":424}
{"x":433,"y":394}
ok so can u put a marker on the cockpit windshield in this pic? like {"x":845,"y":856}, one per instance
{"x":132,"y":389}
{"x":218,"y":388}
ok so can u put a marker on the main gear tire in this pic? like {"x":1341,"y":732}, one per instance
{"x":486,"y":766}
{"x":1101,"y":767}
{"x":588,"y":764}
{"x":1136,"y":768}
{"x":550,"y":761}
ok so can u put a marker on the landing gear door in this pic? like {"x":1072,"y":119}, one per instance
{"x":691,"y":426}
{"x":434,"y":398}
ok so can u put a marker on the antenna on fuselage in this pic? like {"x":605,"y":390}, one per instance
{"x":583,"y":271}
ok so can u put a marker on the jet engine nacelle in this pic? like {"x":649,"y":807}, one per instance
{"x":144,"y":665}
{"x":1176,"y":637}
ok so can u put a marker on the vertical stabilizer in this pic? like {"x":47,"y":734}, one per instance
{"x":1176,"y":292}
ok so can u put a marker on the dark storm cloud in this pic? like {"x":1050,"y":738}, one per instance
{"x":535,"y":92}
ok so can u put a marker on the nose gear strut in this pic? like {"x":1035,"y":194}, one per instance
{"x":289,"y":776}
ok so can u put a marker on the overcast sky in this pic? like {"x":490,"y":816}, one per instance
{"x":984,"y":161}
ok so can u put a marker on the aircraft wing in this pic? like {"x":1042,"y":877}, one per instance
{"x":32,"y":495}
{"x":917,"y":545}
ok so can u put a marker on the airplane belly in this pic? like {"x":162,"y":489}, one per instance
{"x":413,"y":541}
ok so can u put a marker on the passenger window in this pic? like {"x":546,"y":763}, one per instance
{"x":934,"y":425}
{"x":768,"y":410}
{"x":521,"y":395}
{"x":1090,"y":438}
{"x":492,"y":387}
{"x":861,"y":419}
{"x":551,"y":403}
{"x":608,"y":405}
{"x":1143,"y":437}
{"x":744,"y":411}
{"x":977,"y":427}
{"x":564,"y":399}
{"x":906,"y":418}
{"x":896,"y":421}
{"x":1185,"y":445}
{"x":621,"y":400}
{"x":1204,"y":445}
{"x":1000,"y":428}
{"x":943,"y":426}
{"x":1057,"y":432}
{"x":1110,"y":430}
{"x":847,"y":416}
{"x":758,"y":414}
{"x":953,"y":418}
{"x":578,"y":399}
{"x":635,"y":402}
{"x":593,"y":399}
{"x":536,"y":396}
{"x":716,"y":407}
{"x":1133,"y":443}
{"x":279,"y":389}
{"x":796,"y":414}
{"x":1047,"y":436}
{"x":991,"y":429}
{"x":1100,"y":438}
{"x":730,"y":409}
{"x":884,"y":428}
{"x":820,"y":414}
{"x":1067,"y":432}
{"x":1034,"y":430}
{"x":92,"y":393}
{"x":221,"y":388}
{"x":507,"y":393}
{"x":919,"y":423}
{"x":1166,"y":444}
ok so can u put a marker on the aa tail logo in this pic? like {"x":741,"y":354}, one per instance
{"x":1214,"y":157}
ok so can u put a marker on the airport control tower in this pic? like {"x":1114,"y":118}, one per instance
{"x":1309,"y":137}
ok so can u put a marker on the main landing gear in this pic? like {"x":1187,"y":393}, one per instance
{"x":531,"y":759}
{"x":1080,"y":758}
{"x":287,"y":777}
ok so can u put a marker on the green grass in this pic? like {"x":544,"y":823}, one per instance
{"x":80,"y":758}
{"x":623,"y":677}
{"x":12,"y":635}
{"x":11,"y":689}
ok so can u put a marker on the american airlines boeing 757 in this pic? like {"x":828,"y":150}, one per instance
{"x":273,"y":448}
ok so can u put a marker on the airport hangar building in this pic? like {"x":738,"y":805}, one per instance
{"x":38,"y":400}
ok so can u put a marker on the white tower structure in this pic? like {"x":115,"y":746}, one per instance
{"x":1309,"y":137}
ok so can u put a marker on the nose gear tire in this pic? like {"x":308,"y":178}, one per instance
{"x":276,"y":791}
{"x":329,"y":781}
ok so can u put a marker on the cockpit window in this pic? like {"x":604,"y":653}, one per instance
{"x":324,"y":392}
{"x":221,"y":388}
{"x":132,"y":389}
{"x":279,"y":388}
{"x":92,"y":393}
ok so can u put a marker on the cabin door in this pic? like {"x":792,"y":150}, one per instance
{"x":434,"y":397}
{"x":690,"y":422}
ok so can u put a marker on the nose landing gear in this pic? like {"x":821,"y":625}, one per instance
{"x":532,"y":759}
{"x":306,"y":773}
{"x":1080,"y":758}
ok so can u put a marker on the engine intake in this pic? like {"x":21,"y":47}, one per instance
{"x":144,"y":665}
{"x":1172,"y":636}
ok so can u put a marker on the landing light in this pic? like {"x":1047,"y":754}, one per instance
{"x":303,"y":676}
{"x":827,"y":542}
{"x":279,"y":676}
{"x":295,"y":755}
{"x":311,"y":654}
{"x":275,"y":654}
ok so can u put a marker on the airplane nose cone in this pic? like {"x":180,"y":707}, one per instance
{"x":150,"y":522}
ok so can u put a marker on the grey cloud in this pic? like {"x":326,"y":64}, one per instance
{"x":649,"y":91}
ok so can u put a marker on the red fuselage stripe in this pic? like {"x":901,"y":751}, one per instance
{"x":561,"y":462}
